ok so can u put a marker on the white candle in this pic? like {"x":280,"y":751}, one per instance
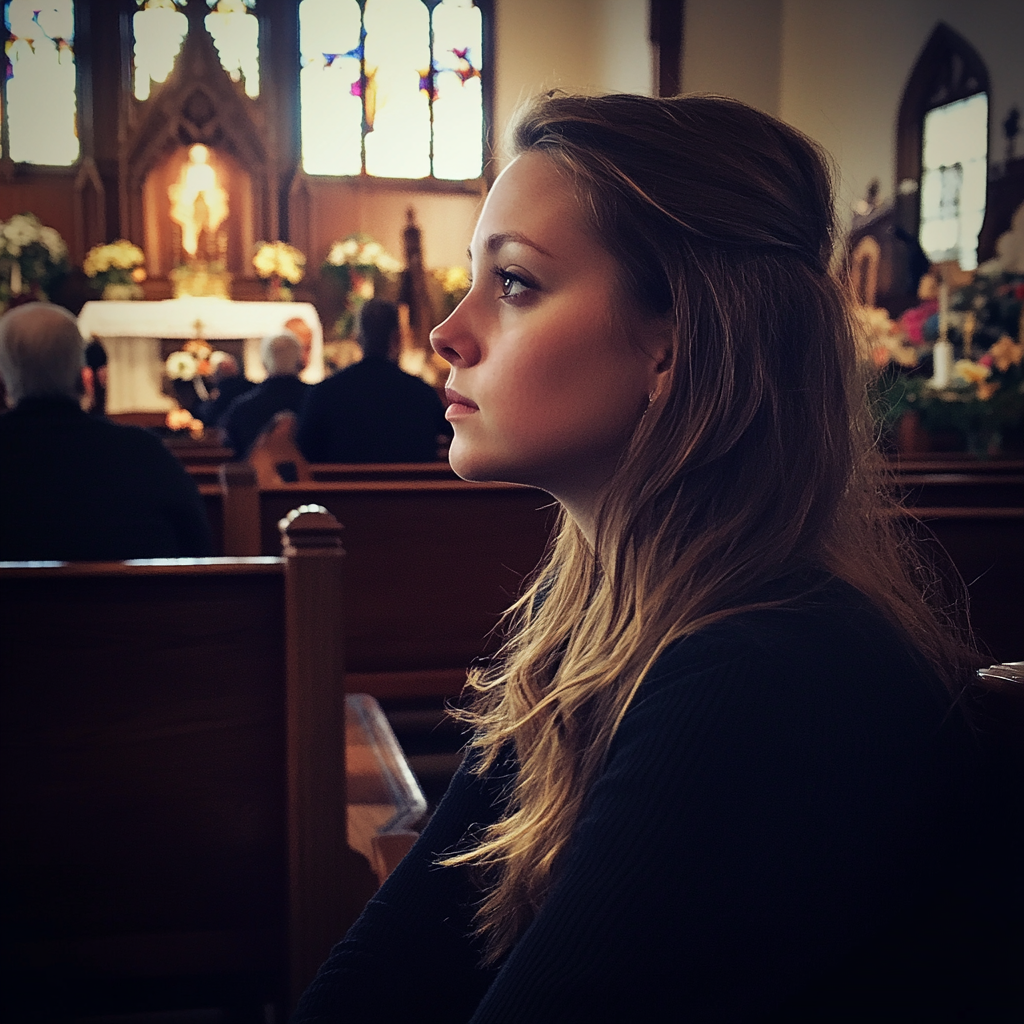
{"x":15,"y":279}
{"x":943,"y":311}
{"x":942,"y":363}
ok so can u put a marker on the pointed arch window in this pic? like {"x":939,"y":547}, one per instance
{"x":41,"y":83}
{"x":942,"y":149}
{"x":392,"y":88}
{"x":159,"y":28}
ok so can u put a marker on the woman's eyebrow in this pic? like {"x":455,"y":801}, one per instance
{"x":495,"y":242}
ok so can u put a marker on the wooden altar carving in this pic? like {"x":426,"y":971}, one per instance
{"x":198,"y":104}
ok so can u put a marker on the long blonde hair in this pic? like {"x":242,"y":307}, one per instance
{"x":755,"y":459}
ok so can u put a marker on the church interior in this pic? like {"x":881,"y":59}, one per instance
{"x":210,"y":765}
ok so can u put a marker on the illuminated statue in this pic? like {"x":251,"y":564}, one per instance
{"x":198,"y":203}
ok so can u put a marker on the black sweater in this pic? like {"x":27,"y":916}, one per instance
{"x":790,"y":826}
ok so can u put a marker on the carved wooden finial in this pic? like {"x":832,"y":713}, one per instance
{"x":310,"y":526}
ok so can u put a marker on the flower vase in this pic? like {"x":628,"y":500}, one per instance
{"x":277,"y":290}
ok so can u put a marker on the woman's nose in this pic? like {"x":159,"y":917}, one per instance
{"x":453,"y":341}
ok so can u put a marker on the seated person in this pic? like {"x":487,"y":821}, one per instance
{"x":724,"y":767}
{"x":228,"y":384}
{"x":75,"y":487}
{"x":372,"y":411}
{"x":248,"y":415}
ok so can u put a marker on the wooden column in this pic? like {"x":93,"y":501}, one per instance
{"x":320,"y":868}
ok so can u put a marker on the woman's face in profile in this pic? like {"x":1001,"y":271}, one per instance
{"x":550,"y":369}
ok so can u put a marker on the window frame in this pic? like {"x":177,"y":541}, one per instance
{"x":948,"y":69}
{"x":443,"y":186}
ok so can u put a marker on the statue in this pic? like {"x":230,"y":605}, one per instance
{"x":199,"y":206}
{"x":198,"y":203}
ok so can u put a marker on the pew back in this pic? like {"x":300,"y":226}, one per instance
{"x":173,"y":786}
{"x":430,"y":567}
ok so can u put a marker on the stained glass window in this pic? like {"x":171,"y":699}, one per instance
{"x":41,"y":82}
{"x":392,"y":88}
{"x":159,"y":29}
{"x":236,"y":33}
{"x":954,"y":163}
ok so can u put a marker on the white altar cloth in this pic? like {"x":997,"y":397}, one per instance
{"x":131,"y":333}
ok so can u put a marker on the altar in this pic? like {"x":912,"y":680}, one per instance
{"x":131,"y":333}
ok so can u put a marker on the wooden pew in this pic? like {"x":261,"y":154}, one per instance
{"x":431,"y":565}
{"x":172,"y":745}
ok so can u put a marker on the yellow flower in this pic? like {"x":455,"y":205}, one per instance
{"x":973,"y":373}
{"x":119,"y":255}
{"x":987,"y":388}
{"x":1006,"y":353}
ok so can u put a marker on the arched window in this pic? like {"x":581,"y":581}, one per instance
{"x":160,"y":27}
{"x":392,"y":88}
{"x":942,"y":149}
{"x":41,"y":80}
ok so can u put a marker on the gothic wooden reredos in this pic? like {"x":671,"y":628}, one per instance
{"x":197,"y":104}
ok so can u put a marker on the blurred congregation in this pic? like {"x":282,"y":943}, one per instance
{"x":229,"y":533}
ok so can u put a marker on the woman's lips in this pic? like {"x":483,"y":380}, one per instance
{"x":458,"y":405}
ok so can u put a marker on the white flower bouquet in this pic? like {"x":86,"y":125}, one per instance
{"x":359,"y":264}
{"x":32,"y":255}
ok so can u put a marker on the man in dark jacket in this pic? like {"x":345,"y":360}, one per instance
{"x":372,"y":411}
{"x":228,"y":384}
{"x":75,"y":487}
{"x":247,"y":416}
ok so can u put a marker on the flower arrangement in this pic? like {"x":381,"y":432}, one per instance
{"x":278,"y":262}
{"x":32,"y":256}
{"x":359,"y":264}
{"x":983,"y":399}
{"x":455,"y":284}
{"x":116,"y":268}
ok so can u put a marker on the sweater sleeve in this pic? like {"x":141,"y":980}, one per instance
{"x":760,"y":815}
{"x":411,"y":956}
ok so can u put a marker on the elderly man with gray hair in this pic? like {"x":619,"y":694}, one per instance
{"x":284,"y":358}
{"x":75,"y":487}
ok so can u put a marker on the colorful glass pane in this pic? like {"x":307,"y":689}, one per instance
{"x":954,"y":164}
{"x":330,"y":43}
{"x":41,"y":82}
{"x":458,"y":102}
{"x":397,"y":109}
{"x":236,"y":33}
{"x":159,"y":30}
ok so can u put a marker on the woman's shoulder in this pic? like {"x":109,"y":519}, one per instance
{"x":816,"y":651}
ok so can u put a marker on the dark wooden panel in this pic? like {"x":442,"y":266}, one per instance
{"x":430,"y":567}
{"x":142,"y":745}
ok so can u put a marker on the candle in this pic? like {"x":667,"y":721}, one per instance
{"x":942,"y":363}
{"x":943,"y":311}
{"x":15,"y":279}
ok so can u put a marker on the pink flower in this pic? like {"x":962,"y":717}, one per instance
{"x":912,"y":321}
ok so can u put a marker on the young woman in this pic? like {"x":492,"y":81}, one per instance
{"x":720,"y":771}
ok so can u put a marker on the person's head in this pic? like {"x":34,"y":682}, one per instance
{"x":654,"y":335}
{"x":304,"y":333}
{"x":668,"y":262}
{"x":282,"y":354}
{"x":378,"y":329}
{"x":224,"y":365}
{"x":42,"y":353}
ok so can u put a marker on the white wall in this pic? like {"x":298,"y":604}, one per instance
{"x":575,"y":45}
{"x":734,"y":48}
{"x":842,"y":66}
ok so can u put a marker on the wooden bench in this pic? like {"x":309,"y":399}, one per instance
{"x":172,"y":744}
{"x":431,"y":565}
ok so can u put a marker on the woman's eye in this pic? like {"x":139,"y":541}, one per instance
{"x":512,"y":285}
